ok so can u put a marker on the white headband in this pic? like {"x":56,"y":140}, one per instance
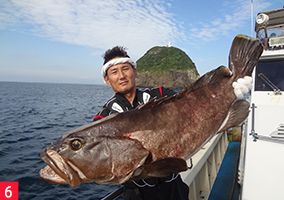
{"x":117,"y":61}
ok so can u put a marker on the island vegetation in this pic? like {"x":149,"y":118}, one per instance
{"x":166,"y":66}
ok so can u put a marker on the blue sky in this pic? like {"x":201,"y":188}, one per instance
{"x":63,"y":41}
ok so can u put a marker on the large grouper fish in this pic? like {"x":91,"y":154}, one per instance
{"x":155,"y":139}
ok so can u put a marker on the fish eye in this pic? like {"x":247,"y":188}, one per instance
{"x":76,"y":144}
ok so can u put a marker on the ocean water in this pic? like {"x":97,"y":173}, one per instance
{"x":33,"y":115}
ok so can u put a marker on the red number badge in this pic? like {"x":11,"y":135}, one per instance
{"x":9,"y":190}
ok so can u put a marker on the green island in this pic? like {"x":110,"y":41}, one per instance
{"x":166,"y":66}
{"x":164,"y":59}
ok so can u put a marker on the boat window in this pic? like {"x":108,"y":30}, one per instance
{"x":270,"y":33}
{"x":269,"y":75}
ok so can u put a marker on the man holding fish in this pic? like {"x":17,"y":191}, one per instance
{"x":119,"y":72}
{"x":145,"y":148}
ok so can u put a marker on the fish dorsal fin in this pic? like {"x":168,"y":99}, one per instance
{"x":151,"y":103}
{"x":212,"y":77}
{"x":236,"y":115}
{"x":155,"y":102}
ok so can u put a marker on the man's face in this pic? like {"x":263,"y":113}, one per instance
{"x":121,"y":77}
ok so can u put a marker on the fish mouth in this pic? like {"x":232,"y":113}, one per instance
{"x":59,"y":170}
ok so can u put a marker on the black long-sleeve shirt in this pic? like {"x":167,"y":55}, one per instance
{"x":118,"y":103}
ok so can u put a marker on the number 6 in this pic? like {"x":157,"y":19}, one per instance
{"x":7,"y":191}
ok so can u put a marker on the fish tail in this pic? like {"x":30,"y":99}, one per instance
{"x":244,"y":54}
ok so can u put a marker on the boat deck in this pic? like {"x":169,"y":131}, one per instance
{"x":226,"y":180}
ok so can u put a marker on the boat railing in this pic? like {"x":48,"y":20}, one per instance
{"x":256,"y":136}
{"x":206,"y":164}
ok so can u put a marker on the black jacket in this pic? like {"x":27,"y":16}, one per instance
{"x":118,"y":103}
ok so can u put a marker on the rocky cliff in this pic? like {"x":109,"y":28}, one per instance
{"x":165,"y":66}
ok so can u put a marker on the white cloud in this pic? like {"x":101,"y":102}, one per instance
{"x":99,"y":24}
{"x":136,"y":24}
{"x":235,"y":15}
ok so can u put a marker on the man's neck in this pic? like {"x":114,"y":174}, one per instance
{"x":130,"y":96}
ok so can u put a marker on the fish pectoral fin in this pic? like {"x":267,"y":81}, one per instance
{"x":164,"y":167}
{"x":236,"y":115}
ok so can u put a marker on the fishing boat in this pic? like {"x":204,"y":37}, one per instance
{"x":261,"y":165}
{"x":257,"y":165}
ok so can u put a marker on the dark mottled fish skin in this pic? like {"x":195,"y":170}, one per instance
{"x":146,"y":142}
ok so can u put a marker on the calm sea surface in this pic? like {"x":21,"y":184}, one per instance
{"x":32,"y":115}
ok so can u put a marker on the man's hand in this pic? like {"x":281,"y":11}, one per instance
{"x":242,"y":86}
